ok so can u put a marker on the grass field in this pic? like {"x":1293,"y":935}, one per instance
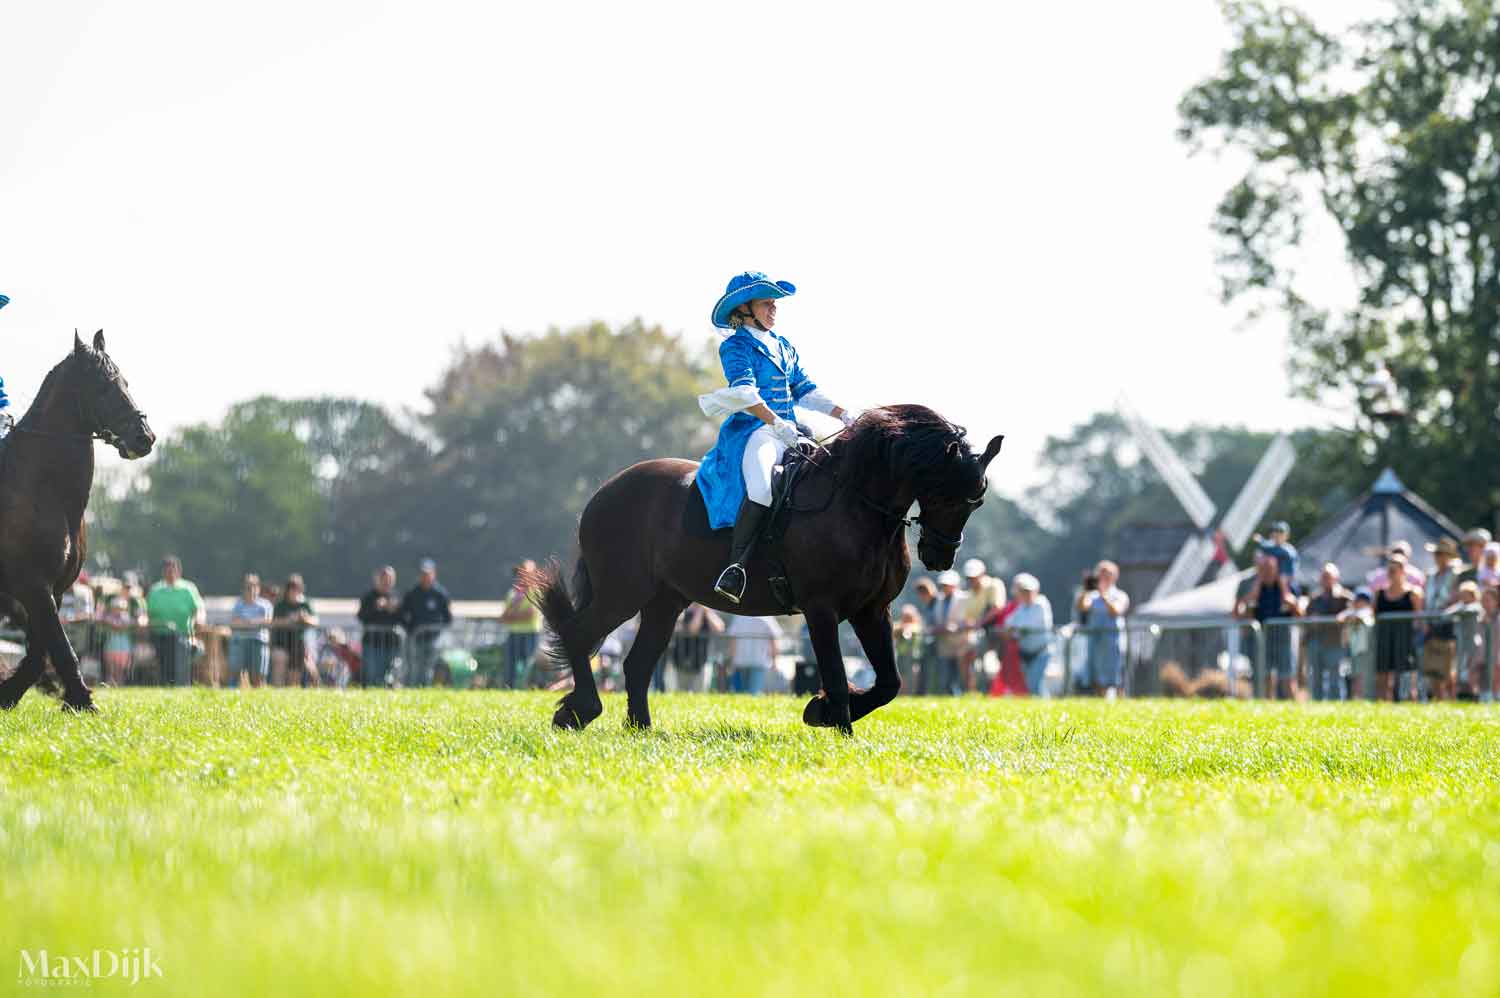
{"x":451,"y":843}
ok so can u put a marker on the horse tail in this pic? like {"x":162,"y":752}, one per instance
{"x":560,"y":608}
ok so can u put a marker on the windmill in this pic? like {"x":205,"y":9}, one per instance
{"x":1201,"y":548}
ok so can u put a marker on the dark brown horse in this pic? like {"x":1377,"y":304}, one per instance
{"x":46,"y":472}
{"x":844,"y":551}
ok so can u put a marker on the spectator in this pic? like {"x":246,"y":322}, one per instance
{"x":425,"y":611}
{"x":1488,"y":575}
{"x":983,"y":596}
{"x":118,"y":625}
{"x":293,"y":616}
{"x":1030,"y":628}
{"x":175,"y":611}
{"x":1415,"y":577}
{"x":927,"y":594}
{"x":907,"y":634}
{"x":693,"y":644}
{"x":76,"y":611}
{"x":380,"y":615}
{"x":1358,"y":623}
{"x":1440,"y":639}
{"x":752,"y":652}
{"x":952,"y":640}
{"x":1280,"y":547}
{"x":250,"y":635}
{"x":1474,"y":542}
{"x":1325,"y":641}
{"x":1489,"y":600}
{"x":1270,"y":598}
{"x":523,"y":623}
{"x":1395,"y":638}
{"x":1467,"y":615}
{"x":1102,"y":608}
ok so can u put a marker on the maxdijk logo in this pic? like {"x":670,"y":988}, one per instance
{"x":130,"y":965}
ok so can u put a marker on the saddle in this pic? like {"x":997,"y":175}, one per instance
{"x":784,"y":480}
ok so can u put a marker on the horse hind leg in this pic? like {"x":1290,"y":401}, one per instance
{"x":658,"y":620}
{"x":579,"y":628}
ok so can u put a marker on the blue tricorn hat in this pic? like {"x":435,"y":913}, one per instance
{"x":750,"y":285}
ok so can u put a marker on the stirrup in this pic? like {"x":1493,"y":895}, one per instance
{"x":732,"y":587}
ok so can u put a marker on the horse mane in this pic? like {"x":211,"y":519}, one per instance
{"x":80,"y":354}
{"x":912,"y":443}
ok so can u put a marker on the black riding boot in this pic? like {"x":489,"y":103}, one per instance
{"x":732,"y":580}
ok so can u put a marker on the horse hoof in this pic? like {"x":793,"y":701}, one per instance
{"x":9,"y":703}
{"x":575,"y":717}
{"x":637,"y":724}
{"x":84,"y":706}
{"x":821,"y":713}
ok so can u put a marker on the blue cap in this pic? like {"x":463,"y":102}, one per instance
{"x":749,"y":286}
{"x":1281,"y":527}
{"x":4,"y":301}
{"x":1363,"y":592}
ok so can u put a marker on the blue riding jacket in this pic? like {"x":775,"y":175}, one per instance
{"x":779,"y":378}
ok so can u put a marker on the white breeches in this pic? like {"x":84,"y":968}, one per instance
{"x":762,"y":451}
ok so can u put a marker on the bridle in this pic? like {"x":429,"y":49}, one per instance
{"x":902,"y":521}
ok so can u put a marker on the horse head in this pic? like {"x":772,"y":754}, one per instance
{"x":926,"y":460}
{"x":104,"y":402}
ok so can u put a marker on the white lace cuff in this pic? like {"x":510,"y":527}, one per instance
{"x":728,"y":401}
{"x":816,"y":401}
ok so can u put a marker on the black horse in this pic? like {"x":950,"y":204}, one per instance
{"x":844,"y":550}
{"x":46,"y":472}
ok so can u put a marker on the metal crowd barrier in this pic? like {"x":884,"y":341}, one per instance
{"x":1428,"y":655}
{"x":1434,"y":654}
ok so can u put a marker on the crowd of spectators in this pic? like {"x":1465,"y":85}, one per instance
{"x":1424,"y":633}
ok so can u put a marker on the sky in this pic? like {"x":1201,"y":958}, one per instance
{"x":984,"y":206}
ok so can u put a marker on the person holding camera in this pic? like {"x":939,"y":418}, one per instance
{"x":1101,"y":609}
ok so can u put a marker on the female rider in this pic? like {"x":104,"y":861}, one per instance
{"x":765,"y":381}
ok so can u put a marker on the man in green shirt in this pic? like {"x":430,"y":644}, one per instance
{"x":174,"y":610}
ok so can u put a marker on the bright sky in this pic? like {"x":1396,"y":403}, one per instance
{"x":984,"y":205}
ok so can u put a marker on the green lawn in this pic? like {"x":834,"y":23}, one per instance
{"x":439,"y":843}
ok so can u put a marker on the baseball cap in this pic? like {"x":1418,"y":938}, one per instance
{"x":1478,"y":535}
{"x":948,"y":578}
{"x":1027,"y":581}
{"x":1281,"y":527}
{"x":427,"y":565}
{"x":1363,"y":592}
{"x":973,"y":568}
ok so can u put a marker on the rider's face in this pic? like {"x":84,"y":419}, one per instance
{"x":764,"y":310}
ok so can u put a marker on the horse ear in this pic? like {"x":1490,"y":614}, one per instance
{"x":77,"y":343}
{"x":99,"y":341}
{"x":991,"y":451}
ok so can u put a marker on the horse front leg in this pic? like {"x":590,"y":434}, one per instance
{"x":830,"y":708}
{"x":47,"y":631}
{"x":872,"y":626}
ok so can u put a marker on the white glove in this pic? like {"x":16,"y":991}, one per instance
{"x":785,"y":431}
{"x":848,"y":418}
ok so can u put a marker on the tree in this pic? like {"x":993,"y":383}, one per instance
{"x":1390,"y":131}
{"x":525,"y":429}
{"x":238,"y":497}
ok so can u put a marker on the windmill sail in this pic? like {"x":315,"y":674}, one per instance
{"x":1255,"y":498}
{"x":1195,"y":502}
{"x":1196,"y":554}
